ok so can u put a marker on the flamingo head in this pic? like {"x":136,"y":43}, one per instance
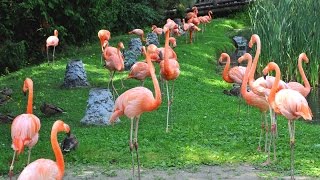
{"x":304,"y":57}
{"x":59,"y":125}
{"x":253,"y":40}
{"x":246,"y":56}
{"x":223,"y":56}
{"x":55,"y":32}
{"x":120,"y":45}
{"x":271,"y":66}
{"x":28,"y":83}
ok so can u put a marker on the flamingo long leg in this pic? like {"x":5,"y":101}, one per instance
{"x":136,"y":145}
{"x":291,"y":125}
{"x":262,"y":130}
{"x":54,"y":49}
{"x":11,"y":166}
{"x":131,"y":146}
{"x":168,"y":112}
{"x":29,"y":154}
{"x":48,"y":54}
{"x":266,"y":132}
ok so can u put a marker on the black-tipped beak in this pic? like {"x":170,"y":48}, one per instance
{"x":238,"y":64}
{"x":265,"y":77}
{"x":68,"y":133}
{"x":24,"y":93}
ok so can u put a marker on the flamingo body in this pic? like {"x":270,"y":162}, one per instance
{"x":24,"y":131}
{"x":44,"y":168}
{"x":139,"y":71}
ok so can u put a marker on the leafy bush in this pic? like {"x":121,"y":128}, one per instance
{"x":13,"y":56}
{"x":77,"y":21}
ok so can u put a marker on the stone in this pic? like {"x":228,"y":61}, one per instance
{"x":75,"y":75}
{"x":131,"y":55}
{"x":152,"y":38}
{"x":100,"y":106}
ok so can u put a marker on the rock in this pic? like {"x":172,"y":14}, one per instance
{"x":152,"y":38}
{"x":99,"y":108}
{"x":131,"y":55}
{"x":75,"y":75}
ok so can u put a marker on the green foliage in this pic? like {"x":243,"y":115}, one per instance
{"x":288,"y":28}
{"x":13,"y":56}
{"x":77,"y":21}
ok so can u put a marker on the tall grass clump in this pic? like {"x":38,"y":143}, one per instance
{"x":288,"y":28}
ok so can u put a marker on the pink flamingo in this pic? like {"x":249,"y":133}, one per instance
{"x":289,"y":103}
{"x":192,"y":14}
{"x":138,"y":32}
{"x":169,"y":68}
{"x":104,"y":37}
{"x":114,"y":61}
{"x":52,"y":41}
{"x":46,"y":168}
{"x":209,"y":16}
{"x":136,"y":101}
{"x":304,"y":90}
{"x":173,"y":42}
{"x":231,"y":75}
{"x":25,"y":127}
{"x":234,"y":74}
{"x":139,"y":71}
{"x":252,"y":99}
{"x":191,"y":28}
{"x":262,"y":86}
{"x":157,"y":31}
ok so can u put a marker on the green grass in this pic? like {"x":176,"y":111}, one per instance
{"x":206,"y":127}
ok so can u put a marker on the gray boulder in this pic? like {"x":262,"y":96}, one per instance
{"x":75,"y":75}
{"x":99,"y":108}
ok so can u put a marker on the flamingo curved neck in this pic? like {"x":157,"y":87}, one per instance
{"x":57,"y":151}
{"x":225,"y":73}
{"x":156,"y":103}
{"x":275,"y":84}
{"x":243,"y":90}
{"x":166,"y":52}
{"x":255,"y":62}
{"x":30,"y":100}
{"x":303,"y":75}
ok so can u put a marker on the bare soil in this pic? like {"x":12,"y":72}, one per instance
{"x":228,"y":172}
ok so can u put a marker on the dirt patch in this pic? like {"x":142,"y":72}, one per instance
{"x":240,"y":172}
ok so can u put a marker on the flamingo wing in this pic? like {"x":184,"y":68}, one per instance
{"x":292,"y":104}
{"x":24,"y":131}
{"x":237,"y":73}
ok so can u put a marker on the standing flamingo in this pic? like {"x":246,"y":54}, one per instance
{"x":139,"y":71}
{"x":46,"y":168}
{"x":262,"y":86}
{"x":157,"y":30}
{"x":104,"y":37}
{"x":52,"y":41}
{"x":25,"y":127}
{"x":304,"y":90}
{"x":114,"y":61}
{"x":136,"y":101}
{"x":254,"y":100}
{"x":169,"y":68}
{"x":138,"y":32}
{"x":234,"y":74}
{"x":289,"y":103}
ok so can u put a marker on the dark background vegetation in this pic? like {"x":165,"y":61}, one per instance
{"x":25,"y":25}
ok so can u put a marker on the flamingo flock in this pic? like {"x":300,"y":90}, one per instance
{"x":266,"y":93}
{"x":273,"y":94}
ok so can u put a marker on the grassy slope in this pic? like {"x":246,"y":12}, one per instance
{"x":206,"y":126}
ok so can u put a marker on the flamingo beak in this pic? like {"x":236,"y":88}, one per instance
{"x":265,"y":77}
